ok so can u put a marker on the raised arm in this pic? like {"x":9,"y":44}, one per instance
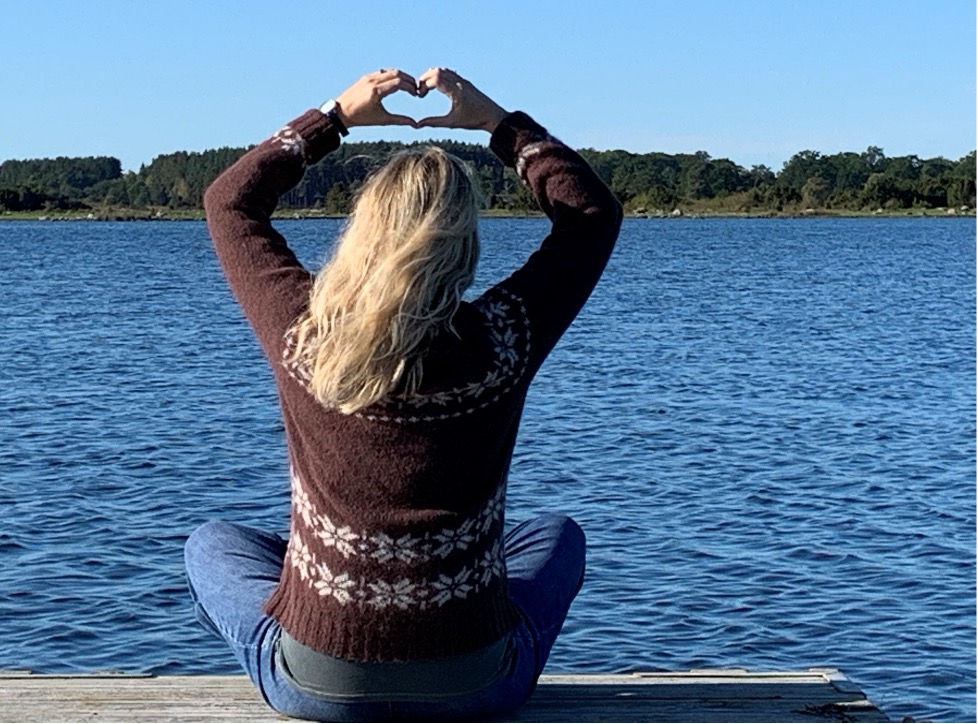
{"x":265,"y":276}
{"x":557,"y":279}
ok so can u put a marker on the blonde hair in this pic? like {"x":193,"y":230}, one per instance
{"x":398,"y":273}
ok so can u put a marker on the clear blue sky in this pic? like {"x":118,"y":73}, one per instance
{"x":751,"y":80}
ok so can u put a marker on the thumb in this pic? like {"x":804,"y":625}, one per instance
{"x":435,"y":122}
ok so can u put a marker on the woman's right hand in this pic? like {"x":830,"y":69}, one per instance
{"x":471,"y":108}
{"x":361,"y":104}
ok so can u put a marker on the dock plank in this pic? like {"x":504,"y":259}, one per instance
{"x":711,"y":695}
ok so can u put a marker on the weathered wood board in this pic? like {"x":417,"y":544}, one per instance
{"x":712,"y":695}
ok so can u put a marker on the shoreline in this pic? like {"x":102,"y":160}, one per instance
{"x":314,"y":214}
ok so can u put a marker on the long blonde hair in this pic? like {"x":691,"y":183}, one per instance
{"x":397,"y":275}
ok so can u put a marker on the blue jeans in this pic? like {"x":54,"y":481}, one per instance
{"x":233,"y":569}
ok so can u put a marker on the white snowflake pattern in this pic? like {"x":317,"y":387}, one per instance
{"x":443,"y":398}
{"x":300,"y":499}
{"x":406,"y":593}
{"x":497,"y":311}
{"x":407,"y":548}
{"x":342,"y":538}
{"x":291,"y":141}
{"x":387,"y":548}
{"x":504,"y":338}
{"x":299,"y":372}
{"x":525,"y":155}
{"x":492,"y":564}
{"x":492,"y":512}
{"x":300,"y":556}
{"x":445,"y":588}
{"x":509,"y":335}
{"x":453,"y":539}
{"x":528,"y":152}
{"x":402,"y":594}
{"x":506,"y":352}
{"x":337,"y":586}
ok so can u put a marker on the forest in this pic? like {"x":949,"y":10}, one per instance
{"x":646,"y":183}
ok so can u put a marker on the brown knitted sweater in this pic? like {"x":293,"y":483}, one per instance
{"x":395,"y":550}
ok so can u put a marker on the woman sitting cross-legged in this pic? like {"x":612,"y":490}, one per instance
{"x":398,"y":593}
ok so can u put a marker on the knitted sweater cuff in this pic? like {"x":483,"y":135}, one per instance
{"x":318,"y":132}
{"x":515,"y":131}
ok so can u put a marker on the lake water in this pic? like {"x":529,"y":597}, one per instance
{"x":766,"y":428}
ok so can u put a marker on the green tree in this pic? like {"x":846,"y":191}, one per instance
{"x":883,"y":191}
{"x":798,"y":169}
{"x":695,"y":181}
{"x":961,"y":186}
{"x":847,"y":173}
{"x":337,"y":199}
{"x":873,"y":159}
{"x":760,"y":176}
{"x":815,"y":192}
{"x":117,"y":194}
{"x":726,"y":177}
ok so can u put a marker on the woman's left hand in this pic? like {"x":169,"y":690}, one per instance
{"x":360,"y":104}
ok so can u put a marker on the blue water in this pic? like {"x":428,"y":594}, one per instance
{"x":766,"y":427}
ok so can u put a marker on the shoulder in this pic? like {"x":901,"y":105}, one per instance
{"x":497,"y":327}
{"x":482,"y":361}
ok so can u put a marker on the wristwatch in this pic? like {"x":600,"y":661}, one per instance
{"x":330,"y":109}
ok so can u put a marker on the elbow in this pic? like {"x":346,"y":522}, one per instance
{"x":609,"y":216}
{"x":619,"y":213}
{"x":221,"y":198}
{"x":602,"y":218}
{"x":213,"y":198}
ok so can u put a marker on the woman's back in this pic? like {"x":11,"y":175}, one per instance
{"x":397,"y":549}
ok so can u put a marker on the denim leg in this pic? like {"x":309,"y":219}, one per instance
{"x":232,"y":570}
{"x":545,"y":560}
{"x":545,"y":569}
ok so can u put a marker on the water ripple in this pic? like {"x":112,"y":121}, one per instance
{"x":765,"y":427}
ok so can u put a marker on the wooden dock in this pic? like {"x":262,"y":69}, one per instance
{"x":722,"y":695}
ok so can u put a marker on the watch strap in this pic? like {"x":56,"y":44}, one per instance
{"x":330,"y":110}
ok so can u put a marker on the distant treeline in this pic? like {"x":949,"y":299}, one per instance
{"x":643,"y":182}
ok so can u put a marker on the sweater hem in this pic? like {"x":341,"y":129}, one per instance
{"x":468,"y":630}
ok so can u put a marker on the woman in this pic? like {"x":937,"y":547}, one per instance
{"x":398,"y":595}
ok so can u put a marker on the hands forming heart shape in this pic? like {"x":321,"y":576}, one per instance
{"x":362,"y":103}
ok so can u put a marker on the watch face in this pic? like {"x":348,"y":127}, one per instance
{"x":331,"y":109}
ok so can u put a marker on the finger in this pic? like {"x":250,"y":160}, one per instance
{"x":428,"y":80}
{"x":399,"y":82}
{"x":412,"y":83}
{"x":388,"y":73}
{"x":393,"y":119}
{"x":392,"y":79}
{"x":435,"y":122}
{"x":430,"y":73}
{"x":442,"y":85}
{"x":439,"y":78}
{"x":440,"y":71}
